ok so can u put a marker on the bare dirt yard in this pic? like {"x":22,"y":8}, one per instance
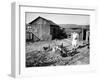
{"x":41,"y":54}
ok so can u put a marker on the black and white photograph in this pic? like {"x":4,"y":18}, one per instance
{"x":54,"y":39}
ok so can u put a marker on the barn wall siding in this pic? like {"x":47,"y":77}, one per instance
{"x":41,"y":29}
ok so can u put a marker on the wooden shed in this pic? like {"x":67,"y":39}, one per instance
{"x":41,"y":29}
{"x":82,"y":30}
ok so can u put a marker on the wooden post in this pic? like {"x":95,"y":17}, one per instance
{"x":87,"y":35}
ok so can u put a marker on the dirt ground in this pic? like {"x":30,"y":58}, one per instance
{"x":36,"y":56}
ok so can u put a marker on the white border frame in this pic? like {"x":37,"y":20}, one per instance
{"x":18,"y":41}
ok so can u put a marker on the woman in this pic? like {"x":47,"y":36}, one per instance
{"x":74,"y":40}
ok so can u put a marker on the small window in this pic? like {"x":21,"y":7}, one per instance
{"x":29,"y":27}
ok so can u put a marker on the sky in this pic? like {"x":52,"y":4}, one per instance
{"x":59,"y":18}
